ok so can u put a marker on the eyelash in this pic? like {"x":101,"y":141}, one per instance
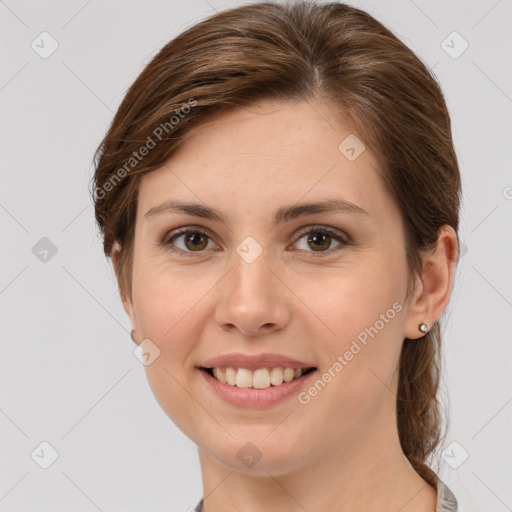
{"x":169,"y":238}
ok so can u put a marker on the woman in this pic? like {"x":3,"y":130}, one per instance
{"x":279,"y":195}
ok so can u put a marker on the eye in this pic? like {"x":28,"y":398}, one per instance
{"x":321,"y":237}
{"x":194,"y":240}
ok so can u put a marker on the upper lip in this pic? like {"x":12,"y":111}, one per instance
{"x":253,"y":362}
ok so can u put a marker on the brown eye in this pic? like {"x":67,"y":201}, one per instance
{"x":195,"y":241}
{"x":321,"y":240}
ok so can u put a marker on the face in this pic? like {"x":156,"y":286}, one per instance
{"x":322,"y":287}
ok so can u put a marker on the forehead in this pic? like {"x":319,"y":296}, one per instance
{"x":268,"y":153}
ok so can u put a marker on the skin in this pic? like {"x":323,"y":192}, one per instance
{"x":341,"y":451}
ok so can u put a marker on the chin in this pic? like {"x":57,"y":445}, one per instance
{"x":258,"y":454}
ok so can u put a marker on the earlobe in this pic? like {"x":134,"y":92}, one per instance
{"x":435,"y":286}
{"x":132,"y":335}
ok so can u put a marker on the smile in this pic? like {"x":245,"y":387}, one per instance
{"x":260,"y":378}
{"x":249,"y":396}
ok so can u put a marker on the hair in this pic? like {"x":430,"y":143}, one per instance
{"x":294,"y":52}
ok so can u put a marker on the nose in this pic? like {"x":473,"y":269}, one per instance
{"x":253,"y":298}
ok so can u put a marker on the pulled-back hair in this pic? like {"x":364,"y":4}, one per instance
{"x":301,"y":51}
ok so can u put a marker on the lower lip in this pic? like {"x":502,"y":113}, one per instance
{"x":257,"y":398}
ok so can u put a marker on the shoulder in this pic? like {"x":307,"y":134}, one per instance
{"x":446,"y":501}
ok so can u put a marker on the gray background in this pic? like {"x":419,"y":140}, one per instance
{"x":68,"y":373}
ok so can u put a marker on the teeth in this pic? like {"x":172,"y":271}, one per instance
{"x":231,"y":376}
{"x":276,"y":376}
{"x":220,"y":374}
{"x":288,"y":375}
{"x":244,"y":378}
{"x":261,"y":378}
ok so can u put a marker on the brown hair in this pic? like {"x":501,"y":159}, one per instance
{"x":296,"y":52}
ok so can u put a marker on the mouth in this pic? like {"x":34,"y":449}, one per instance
{"x":260,"y":378}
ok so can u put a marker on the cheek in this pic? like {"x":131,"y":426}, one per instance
{"x":165,"y":314}
{"x":165,"y":308}
{"x":164,"y":298}
{"x":362,"y":339}
{"x":355,"y":303}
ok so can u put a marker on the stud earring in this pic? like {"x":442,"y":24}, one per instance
{"x":423,"y":328}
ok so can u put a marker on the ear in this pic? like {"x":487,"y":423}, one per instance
{"x":125,"y":299}
{"x":434,"y":287}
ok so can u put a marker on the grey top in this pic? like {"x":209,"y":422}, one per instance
{"x":446,"y":501}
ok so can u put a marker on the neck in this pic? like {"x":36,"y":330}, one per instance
{"x":367,"y":473}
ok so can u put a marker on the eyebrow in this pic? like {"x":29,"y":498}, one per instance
{"x":284,"y":214}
